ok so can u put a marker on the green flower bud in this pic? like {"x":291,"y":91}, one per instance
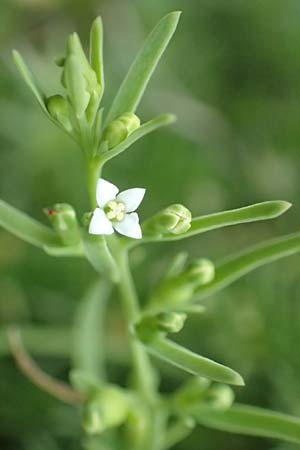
{"x":151,"y":326}
{"x":199,"y":272}
{"x":57,"y":106}
{"x":175,"y":219}
{"x":107,"y":409}
{"x":170,"y":322}
{"x":192,"y":392}
{"x":131,"y":122}
{"x":63,"y":219}
{"x":118,"y":130}
{"x":219,"y":396}
{"x":115,"y":133}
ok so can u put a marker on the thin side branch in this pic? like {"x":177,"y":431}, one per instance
{"x":36,"y":375}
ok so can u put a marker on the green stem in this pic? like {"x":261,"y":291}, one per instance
{"x":143,"y":371}
{"x":93,"y":174}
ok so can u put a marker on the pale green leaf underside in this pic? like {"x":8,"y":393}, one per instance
{"x":29,"y":80}
{"x":87,"y":330}
{"x":253,"y":421}
{"x":34,"y":232}
{"x":26,"y":228}
{"x":238,"y":265}
{"x":139,"y":74}
{"x":191,"y":362}
{"x":252,"y":213}
{"x":146,"y":128}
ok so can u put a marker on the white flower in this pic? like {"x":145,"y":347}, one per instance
{"x":115,"y":211}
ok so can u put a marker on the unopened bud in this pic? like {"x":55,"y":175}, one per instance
{"x":151,"y":326}
{"x":170,"y":322}
{"x":198,"y":395}
{"x":118,"y":130}
{"x":131,"y":122}
{"x":175,"y":219}
{"x":200,"y":272}
{"x":57,"y":106}
{"x":63,"y":219}
{"x":219,"y":396}
{"x":107,"y":409}
{"x":115,"y":133}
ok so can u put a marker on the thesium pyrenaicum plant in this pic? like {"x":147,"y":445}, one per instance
{"x":137,"y":415}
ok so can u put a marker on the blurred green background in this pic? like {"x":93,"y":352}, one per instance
{"x":232,"y":76}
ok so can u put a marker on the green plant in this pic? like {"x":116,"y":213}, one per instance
{"x":137,"y":415}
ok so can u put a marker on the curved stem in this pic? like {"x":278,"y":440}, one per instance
{"x":37,"y":376}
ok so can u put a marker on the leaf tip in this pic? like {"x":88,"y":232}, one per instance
{"x":16,"y":55}
{"x":170,"y":118}
{"x":238,"y":380}
{"x":281,"y":206}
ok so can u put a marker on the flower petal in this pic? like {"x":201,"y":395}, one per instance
{"x":105,"y":192}
{"x":129,"y":226}
{"x":100,"y":223}
{"x":132,"y":198}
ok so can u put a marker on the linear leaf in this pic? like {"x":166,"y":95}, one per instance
{"x":146,"y":128}
{"x":139,"y":74}
{"x":29,"y":80}
{"x":26,"y":228}
{"x":191,"y":362}
{"x":88,"y":343}
{"x":238,"y":265}
{"x":249,"y":420}
{"x":96,"y":50}
{"x":252,"y":213}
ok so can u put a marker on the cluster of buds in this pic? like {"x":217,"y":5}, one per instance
{"x":83,"y":81}
{"x":177,"y":289}
{"x":153,"y":325}
{"x":199,"y":394}
{"x":78,"y":110}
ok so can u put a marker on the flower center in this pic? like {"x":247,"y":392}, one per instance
{"x":115,"y":210}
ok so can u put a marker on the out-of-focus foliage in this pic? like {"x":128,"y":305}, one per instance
{"x":232,"y":75}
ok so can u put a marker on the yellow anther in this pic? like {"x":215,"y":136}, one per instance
{"x":115,"y":210}
{"x":112,"y":204}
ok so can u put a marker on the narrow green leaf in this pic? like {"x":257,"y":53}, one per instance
{"x":253,"y":421}
{"x":96,"y":50}
{"x":88,"y":341}
{"x":252,"y":213}
{"x":139,"y":74}
{"x":29,"y":80}
{"x":238,"y":265}
{"x":64,"y":251}
{"x":146,"y":128}
{"x":191,"y":362}
{"x":26,"y":228}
